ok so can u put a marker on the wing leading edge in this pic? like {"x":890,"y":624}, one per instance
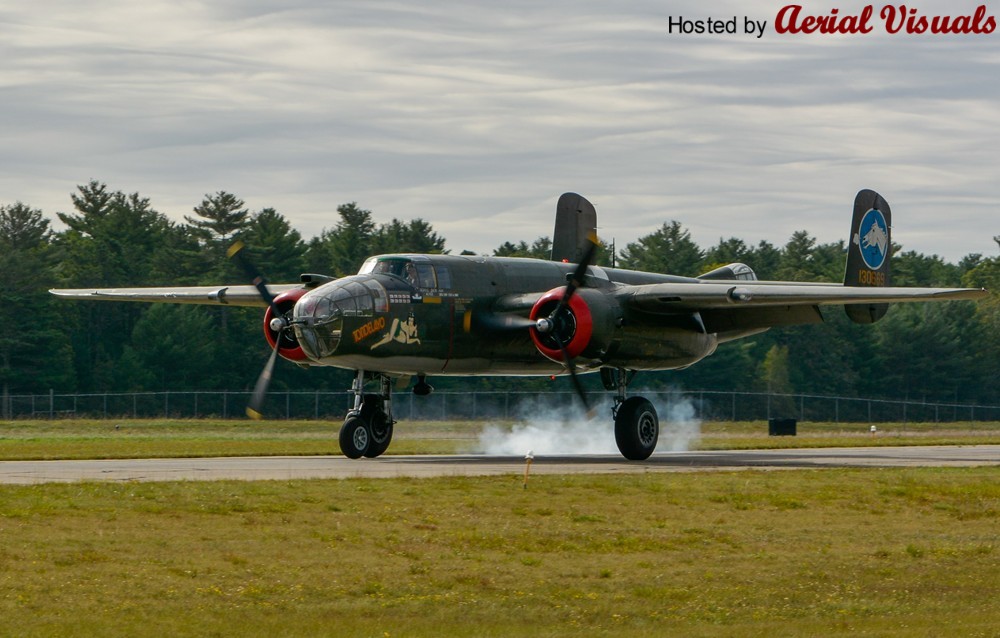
{"x":692,"y":297}
{"x":207,"y":295}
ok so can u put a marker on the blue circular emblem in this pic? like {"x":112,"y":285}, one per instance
{"x":873,"y":238}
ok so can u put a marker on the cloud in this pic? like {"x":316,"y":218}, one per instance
{"x":476,"y":116}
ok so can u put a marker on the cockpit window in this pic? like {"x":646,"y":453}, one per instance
{"x":425,"y":276}
{"x":417,"y":271}
{"x":380,"y":298}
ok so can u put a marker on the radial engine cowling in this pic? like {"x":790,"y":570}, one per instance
{"x":290,"y":348}
{"x":585,"y":326}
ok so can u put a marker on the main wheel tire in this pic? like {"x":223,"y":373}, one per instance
{"x":379,"y":425}
{"x":355,"y":437}
{"x":381,"y":435}
{"x":637,"y":429}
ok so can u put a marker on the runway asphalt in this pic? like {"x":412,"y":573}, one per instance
{"x":335,"y":467}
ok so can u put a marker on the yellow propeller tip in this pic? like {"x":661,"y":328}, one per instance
{"x":254,"y":414}
{"x":235,"y":248}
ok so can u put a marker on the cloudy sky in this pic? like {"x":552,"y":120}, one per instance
{"x":477,"y":115}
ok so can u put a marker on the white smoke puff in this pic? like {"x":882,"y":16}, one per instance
{"x":551,"y":430}
{"x":679,"y":425}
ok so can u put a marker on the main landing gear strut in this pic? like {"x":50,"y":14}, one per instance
{"x":637,"y":427}
{"x":367,"y":430}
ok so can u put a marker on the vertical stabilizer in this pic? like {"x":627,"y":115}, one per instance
{"x":869,"y":252}
{"x":576,"y":219}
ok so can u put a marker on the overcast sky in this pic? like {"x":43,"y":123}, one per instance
{"x":477,"y":115}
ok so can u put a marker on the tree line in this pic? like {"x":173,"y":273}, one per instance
{"x":939,"y":352}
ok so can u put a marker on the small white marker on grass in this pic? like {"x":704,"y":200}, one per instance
{"x":528,"y":458}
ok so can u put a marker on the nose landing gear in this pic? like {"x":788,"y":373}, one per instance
{"x":367,"y":430}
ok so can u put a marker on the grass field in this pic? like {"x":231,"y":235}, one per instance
{"x":830,"y":552}
{"x":912,"y":552}
{"x":76,"y":439}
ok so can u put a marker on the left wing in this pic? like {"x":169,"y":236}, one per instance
{"x":689,"y":297}
{"x":734,"y":306}
{"x":210,"y":295}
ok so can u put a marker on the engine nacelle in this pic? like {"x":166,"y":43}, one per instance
{"x":289,"y":348}
{"x":585,"y":327}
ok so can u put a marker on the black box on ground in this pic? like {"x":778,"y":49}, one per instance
{"x":781,"y":427}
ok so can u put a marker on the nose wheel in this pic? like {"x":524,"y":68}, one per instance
{"x":367,"y":430}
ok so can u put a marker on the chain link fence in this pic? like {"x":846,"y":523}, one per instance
{"x":485,"y":405}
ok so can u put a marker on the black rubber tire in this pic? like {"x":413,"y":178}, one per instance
{"x":379,"y":425}
{"x":637,"y":429}
{"x":381,"y":435}
{"x":355,"y":437}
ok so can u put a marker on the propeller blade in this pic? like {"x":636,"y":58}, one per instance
{"x":263,"y":381}
{"x":568,"y":362}
{"x":257,"y":279}
{"x":236,"y":252}
{"x":576,"y":280}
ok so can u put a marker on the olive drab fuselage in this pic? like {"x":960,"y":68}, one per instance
{"x":421,"y":314}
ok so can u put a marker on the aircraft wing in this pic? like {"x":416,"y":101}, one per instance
{"x":689,"y":297}
{"x":209,"y":295}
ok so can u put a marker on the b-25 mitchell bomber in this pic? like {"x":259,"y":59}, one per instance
{"x":408,"y":315}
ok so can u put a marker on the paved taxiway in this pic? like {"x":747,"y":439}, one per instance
{"x":312,"y":467}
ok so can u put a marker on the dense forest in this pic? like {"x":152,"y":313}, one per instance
{"x":938,"y":352}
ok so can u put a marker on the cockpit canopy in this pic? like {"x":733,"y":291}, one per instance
{"x":416,"y":270}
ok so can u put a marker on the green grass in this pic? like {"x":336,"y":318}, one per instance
{"x":750,"y":553}
{"x":78,"y":439}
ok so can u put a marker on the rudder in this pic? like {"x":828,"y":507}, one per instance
{"x":869,"y":252}
{"x":576,"y":220}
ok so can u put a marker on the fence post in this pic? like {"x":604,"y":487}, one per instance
{"x":52,"y":403}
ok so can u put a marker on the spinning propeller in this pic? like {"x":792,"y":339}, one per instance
{"x":548,"y":325}
{"x":278,"y":323}
{"x":554,"y":326}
